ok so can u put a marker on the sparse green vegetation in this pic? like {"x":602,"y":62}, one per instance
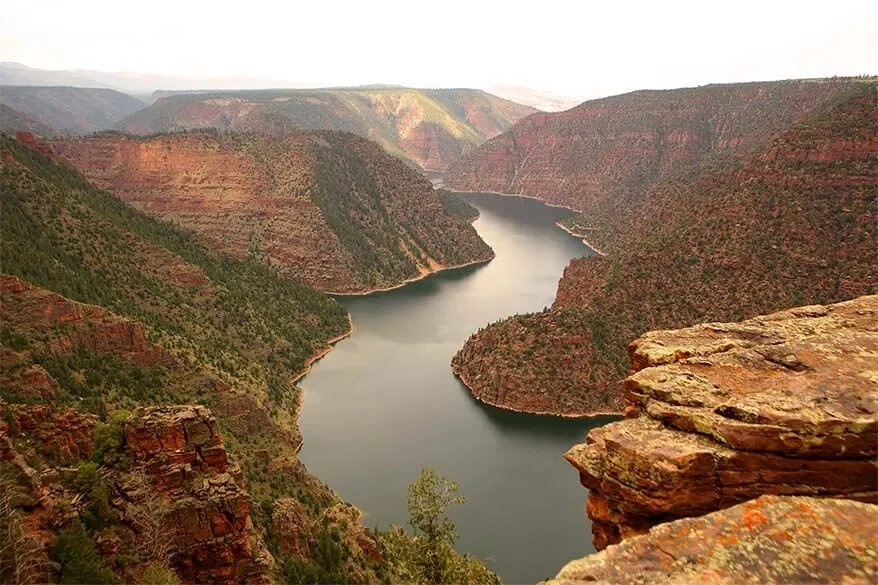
{"x":78,"y":560}
{"x":387,"y":217}
{"x":455,"y":206}
{"x":429,"y":556}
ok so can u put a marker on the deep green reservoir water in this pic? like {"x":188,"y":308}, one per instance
{"x":384,"y":403}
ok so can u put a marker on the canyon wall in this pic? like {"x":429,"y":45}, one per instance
{"x":330,"y":209}
{"x":601,"y":156}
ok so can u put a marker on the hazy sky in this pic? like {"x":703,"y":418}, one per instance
{"x":582,"y":49}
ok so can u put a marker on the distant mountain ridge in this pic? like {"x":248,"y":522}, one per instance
{"x":429,"y":127}
{"x":75,"y":110}
{"x":12,"y":121}
{"x":137,"y":84}
{"x":19,"y":74}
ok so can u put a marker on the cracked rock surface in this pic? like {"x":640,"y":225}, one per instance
{"x":773,"y":539}
{"x":721,"y":413}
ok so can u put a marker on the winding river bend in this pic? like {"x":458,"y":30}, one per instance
{"x":384,"y":403}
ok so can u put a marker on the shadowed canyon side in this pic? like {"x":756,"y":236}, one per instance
{"x":68,"y":109}
{"x":722,"y":413}
{"x":167,"y":321}
{"x":429,"y":127}
{"x":111,"y":318}
{"x":328,"y":208}
{"x":819,"y":540}
{"x":792,"y":223}
{"x":12,"y":121}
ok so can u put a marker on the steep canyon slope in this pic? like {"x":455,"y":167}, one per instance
{"x":329,"y":208}
{"x":429,"y":127}
{"x":791,"y":223}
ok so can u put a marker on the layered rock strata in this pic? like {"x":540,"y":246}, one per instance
{"x":721,"y":413}
{"x":591,"y":156}
{"x":181,"y":449}
{"x":332,"y":210}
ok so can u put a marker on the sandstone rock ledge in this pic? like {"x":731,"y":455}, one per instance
{"x":718,"y":414}
{"x":773,"y":539}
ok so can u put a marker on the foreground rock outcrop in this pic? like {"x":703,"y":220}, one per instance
{"x":166,"y":493}
{"x":208,"y":518}
{"x":721,"y":413}
{"x":768,"y":540}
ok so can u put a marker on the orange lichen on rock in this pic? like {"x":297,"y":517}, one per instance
{"x":791,"y":540}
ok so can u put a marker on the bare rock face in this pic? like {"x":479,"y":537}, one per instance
{"x":289,"y":520}
{"x":721,"y":413}
{"x":61,"y":435}
{"x":768,"y":540}
{"x":181,"y":449}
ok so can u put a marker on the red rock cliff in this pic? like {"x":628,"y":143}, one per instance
{"x":180,"y":448}
{"x":599,"y":156}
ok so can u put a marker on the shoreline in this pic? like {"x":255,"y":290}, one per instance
{"x":582,"y":416}
{"x":309,"y":362}
{"x":584,"y":241}
{"x":544,"y":202}
{"x":547,"y":204}
{"x":421,"y":276}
